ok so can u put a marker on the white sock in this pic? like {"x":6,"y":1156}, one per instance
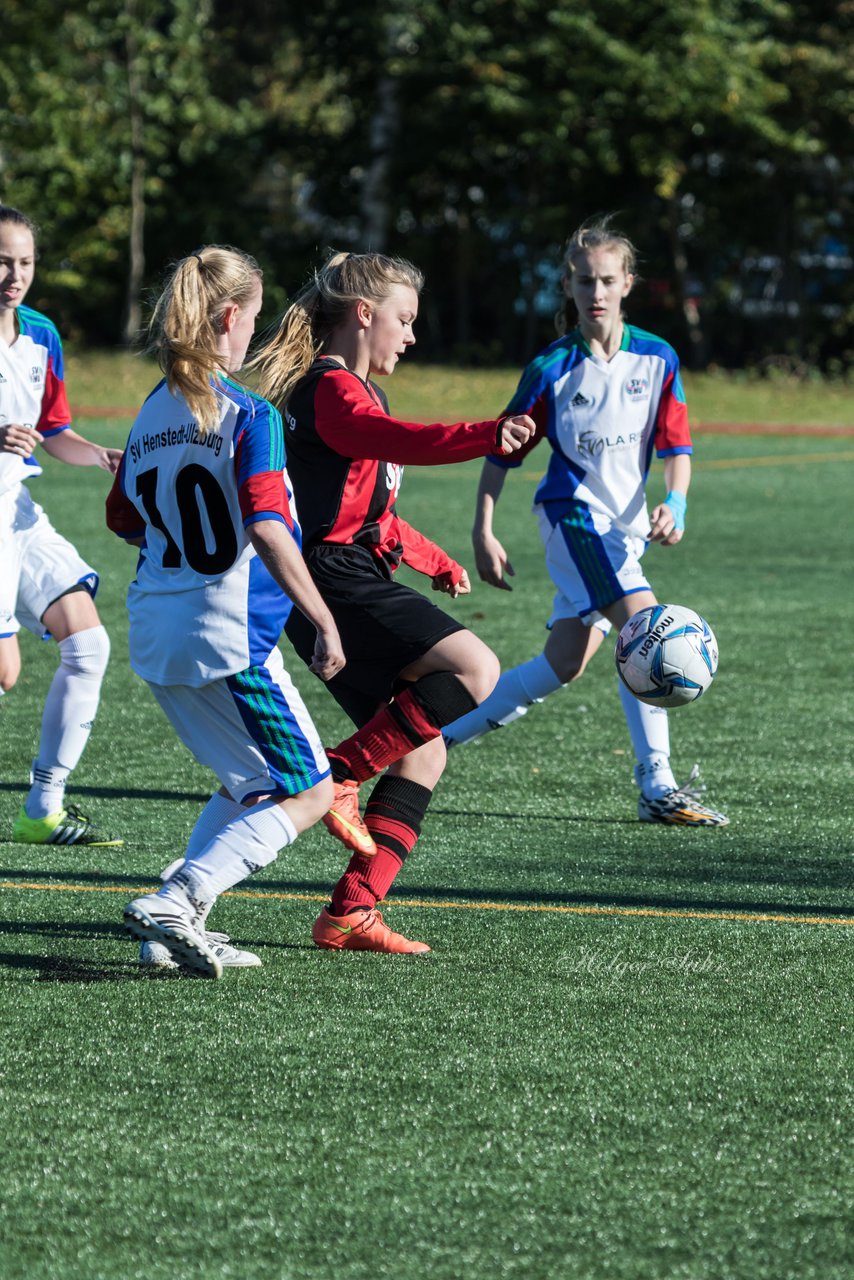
{"x":243,"y":845}
{"x":650,"y":733}
{"x":217,"y":812}
{"x":516,"y":691}
{"x":69,"y":710}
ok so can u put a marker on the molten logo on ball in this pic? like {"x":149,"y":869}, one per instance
{"x":667,"y":655}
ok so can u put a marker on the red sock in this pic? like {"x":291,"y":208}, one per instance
{"x":415,"y":716}
{"x":393,"y":816}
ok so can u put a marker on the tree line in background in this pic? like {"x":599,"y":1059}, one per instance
{"x":469,"y":135}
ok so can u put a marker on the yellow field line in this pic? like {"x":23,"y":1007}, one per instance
{"x":753,"y":917}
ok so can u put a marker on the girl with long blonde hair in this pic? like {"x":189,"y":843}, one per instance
{"x":203,"y":490}
{"x":411,"y":668}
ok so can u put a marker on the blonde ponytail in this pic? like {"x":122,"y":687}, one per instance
{"x":342,"y":281}
{"x":185,"y":326}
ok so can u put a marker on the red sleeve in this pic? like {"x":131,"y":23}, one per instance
{"x":425,"y":556}
{"x":122,"y":516}
{"x":55,"y":415}
{"x":262,"y":495}
{"x":672,"y":433}
{"x":349,"y":420}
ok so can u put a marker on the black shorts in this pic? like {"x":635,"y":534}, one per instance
{"x":384,"y":625}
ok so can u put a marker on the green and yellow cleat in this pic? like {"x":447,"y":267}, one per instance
{"x":69,"y":826}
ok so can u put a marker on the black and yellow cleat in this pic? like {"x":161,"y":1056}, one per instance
{"x":69,"y":826}
{"x":681,"y":807}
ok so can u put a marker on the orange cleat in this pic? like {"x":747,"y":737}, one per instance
{"x":362,"y":931}
{"x":344,"y":821}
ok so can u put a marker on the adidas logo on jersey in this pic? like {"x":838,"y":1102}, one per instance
{"x":580,"y":401}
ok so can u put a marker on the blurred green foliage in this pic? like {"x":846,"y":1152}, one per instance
{"x":470,"y":135}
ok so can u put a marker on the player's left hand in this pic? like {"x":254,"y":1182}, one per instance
{"x":444,"y":582}
{"x":663,"y":526}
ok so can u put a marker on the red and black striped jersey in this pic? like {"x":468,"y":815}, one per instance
{"x":346,"y":455}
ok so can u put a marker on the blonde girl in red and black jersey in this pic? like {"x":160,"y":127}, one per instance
{"x":411,"y":668}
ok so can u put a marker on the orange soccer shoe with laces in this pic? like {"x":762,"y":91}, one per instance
{"x":362,"y":931}
{"x":344,"y":821}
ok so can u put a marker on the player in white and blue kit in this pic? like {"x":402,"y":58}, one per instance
{"x":203,"y":490}
{"x":44,"y":583}
{"x":605,"y":396}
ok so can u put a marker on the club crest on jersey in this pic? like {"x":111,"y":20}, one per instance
{"x":36,"y":375}
{"x":637,"y":389}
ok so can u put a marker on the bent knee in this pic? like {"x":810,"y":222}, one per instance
{"x":86,"y":653}
{"x":568,"y":668}
{"x":482,"y":679}
{"x":425,"y":765}
{"x":10,"y":664}
{"x":9,"y":677}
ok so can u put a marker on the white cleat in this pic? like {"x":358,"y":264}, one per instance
{"x":155,"y":955}
{"x":153,"y":918}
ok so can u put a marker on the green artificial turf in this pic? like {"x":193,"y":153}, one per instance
{"x":628,"y":1054}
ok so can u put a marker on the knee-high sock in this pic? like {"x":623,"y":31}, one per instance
{"x":650,"y":733}
{"x":69,"y":710}
{"x":516,"y":691}
{"x":393,"y":816}
{"x":217,"y":812}
{"x":243,"y":845}
{"x":414,"y":717}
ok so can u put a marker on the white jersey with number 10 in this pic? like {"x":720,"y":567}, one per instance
{"x":203,"y":605}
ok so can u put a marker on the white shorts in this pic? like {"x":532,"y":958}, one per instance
{"x":251,"y":729}
{"x":591,"y":563}
{"x":37,"y":565}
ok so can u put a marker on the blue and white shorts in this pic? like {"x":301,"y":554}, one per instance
{"x":251,"y":729}
{"x":37,"y":565}
{"x":590,"y":562}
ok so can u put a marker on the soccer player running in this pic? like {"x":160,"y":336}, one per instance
{"x":411,"y":668}
{"x":204,"y":491}
{"x":603,"y":395}
{"x":44,"y":583}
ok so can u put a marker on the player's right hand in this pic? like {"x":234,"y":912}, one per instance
{"x":492,"y":562}
{"x":19,"y":439}
{"x":328,"y":658}
{"x":514,"y":432}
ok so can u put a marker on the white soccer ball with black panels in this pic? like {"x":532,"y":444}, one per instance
{"x":667,"y":655}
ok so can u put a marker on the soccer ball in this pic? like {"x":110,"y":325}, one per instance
{"x":667,"y":655}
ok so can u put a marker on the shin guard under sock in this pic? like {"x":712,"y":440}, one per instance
{"x":393,"y":815}
{"x":414,"y":717}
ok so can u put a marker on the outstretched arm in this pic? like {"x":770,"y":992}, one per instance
{"x":489,"y":555}
{"x":70,"y":447}
{"x":350,"y":421}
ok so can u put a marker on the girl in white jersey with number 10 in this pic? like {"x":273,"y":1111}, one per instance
{"x":604,"y":396}
{"x":203,"y":490}
{"x":44,"y":583}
